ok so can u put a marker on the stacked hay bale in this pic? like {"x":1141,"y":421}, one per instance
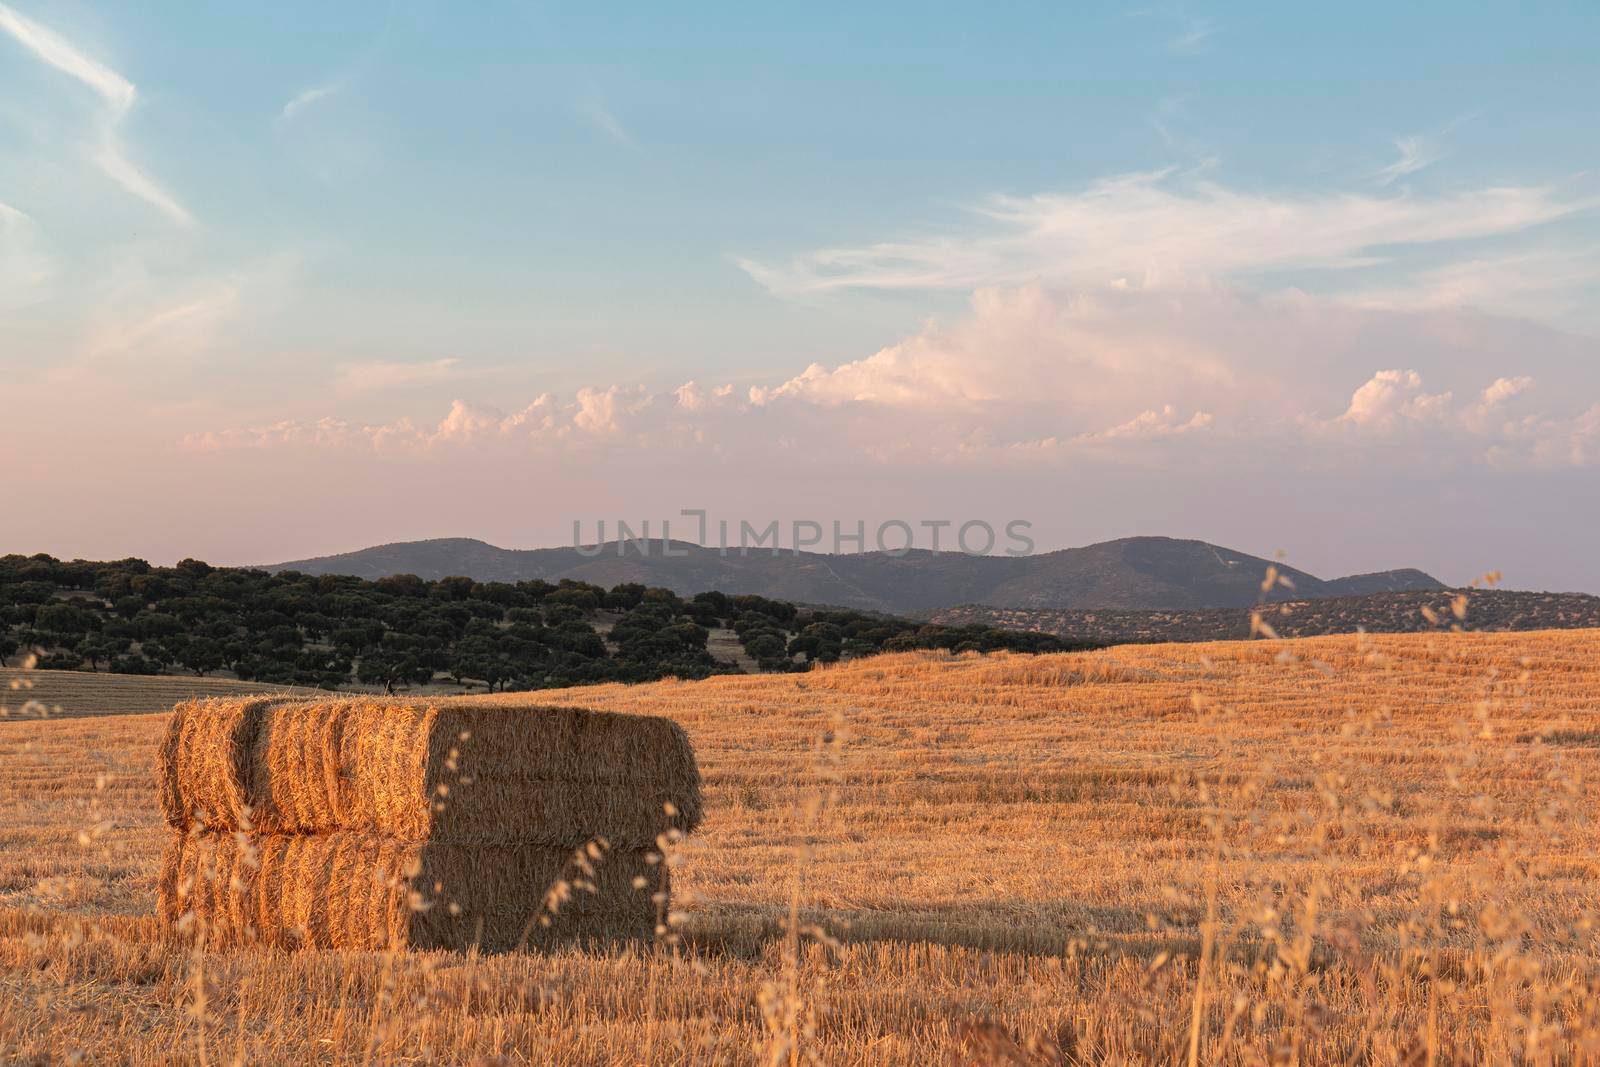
{"x":366,"y":823}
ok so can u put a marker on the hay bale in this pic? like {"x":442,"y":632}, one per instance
{"x":358,"y":891}
{"x":414,"y":771}
{"x":205,"y":740}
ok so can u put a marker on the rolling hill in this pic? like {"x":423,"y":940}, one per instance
{"x":1133,"y":573}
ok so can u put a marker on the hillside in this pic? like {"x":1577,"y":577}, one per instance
{"x":1403,"y":612}
{"x":1132,"y":573}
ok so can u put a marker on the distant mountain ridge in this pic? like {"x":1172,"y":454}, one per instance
{"x":1132,"y":573}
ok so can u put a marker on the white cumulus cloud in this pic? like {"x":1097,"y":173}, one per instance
{"x":1042,"y":375}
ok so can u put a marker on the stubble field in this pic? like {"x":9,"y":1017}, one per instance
{"x":1310,"y":851}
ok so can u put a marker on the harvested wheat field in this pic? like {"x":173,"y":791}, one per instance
{"x":1312,"y":851}
{"x":57,"y":694}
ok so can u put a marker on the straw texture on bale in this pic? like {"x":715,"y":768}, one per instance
{"x":205,"y":740}
{"x":414,"y":771}
{"x":358,"y":891}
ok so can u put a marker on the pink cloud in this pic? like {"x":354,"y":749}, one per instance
{"x":1034,"y":374}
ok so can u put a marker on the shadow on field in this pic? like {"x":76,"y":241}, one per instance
{"x":1043,"y":928}
{"x":140,"y":949}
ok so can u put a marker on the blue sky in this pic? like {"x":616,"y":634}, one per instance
{"x":417,"y":247}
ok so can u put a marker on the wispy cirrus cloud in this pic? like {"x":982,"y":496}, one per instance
{"x":384,"y":374}
{"x":145,"y":328}
{"x":1554,"y":283}
{"x":1415,"y":153}
{"x":25,"y":269}
{"x":1193,"y":32}
{"x":179,"y":329}
{"x":303,"y":100}
{"x":118,"y":95}
{"x":602,"y":119}
{"x":52,"y":48}
{"x":1194,"y":38}
{"x":1154,"y":229}
{"x":12,"y":219}
{"x":120,"y":169}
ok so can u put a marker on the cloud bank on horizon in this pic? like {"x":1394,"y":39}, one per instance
{"x":1368,"y":365}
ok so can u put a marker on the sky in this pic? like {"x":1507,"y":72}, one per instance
{"x":292,"y":279}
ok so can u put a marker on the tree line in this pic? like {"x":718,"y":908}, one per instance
{"x":332,"y":631}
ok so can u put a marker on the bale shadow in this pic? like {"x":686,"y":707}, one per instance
{"x":1052,"y":928}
